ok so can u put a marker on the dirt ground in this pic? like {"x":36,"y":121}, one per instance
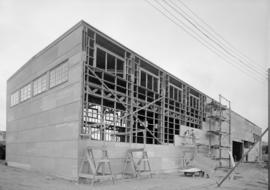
{"x":249,"y":176}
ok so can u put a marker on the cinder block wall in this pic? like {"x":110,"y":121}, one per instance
{"x":42,"y":132}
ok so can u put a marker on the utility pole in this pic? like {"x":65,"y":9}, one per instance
{"x":268,"y":126}
{"x":260,"y":139}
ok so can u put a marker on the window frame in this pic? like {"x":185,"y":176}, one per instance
{"x":179,"y":89}
{"x":53,"y":69}
{"x":146,"y":81}
{"x":30,"y":93}
{"x":46,"y":75}
{"x":196,"y":98}
{"x":106,"y":60}
{"x":18,"y":98}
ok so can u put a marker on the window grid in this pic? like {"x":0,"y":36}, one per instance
{"x":14,"y":98}
{"x":40,"y":85}
{"x":58,"y":75}
{"x":26,"y":92}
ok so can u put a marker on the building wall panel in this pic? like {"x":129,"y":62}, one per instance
{"x":43,"y":131}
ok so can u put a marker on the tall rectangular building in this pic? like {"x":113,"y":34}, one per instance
{"x":86,"y":89}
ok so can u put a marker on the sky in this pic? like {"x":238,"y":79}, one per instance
{"x":28,"y":26}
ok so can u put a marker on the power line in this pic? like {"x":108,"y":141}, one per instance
{"x":223,"y":39}
{"x":208,"y":46}
{"x":220,"y":45}
{"x":202,"y":42}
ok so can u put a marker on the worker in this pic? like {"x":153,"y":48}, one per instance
{"x":193,"y":137}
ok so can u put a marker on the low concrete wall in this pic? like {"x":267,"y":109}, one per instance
{"x":163,"y":158}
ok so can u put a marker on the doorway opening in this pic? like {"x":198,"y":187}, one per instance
{"x":237,"y":150}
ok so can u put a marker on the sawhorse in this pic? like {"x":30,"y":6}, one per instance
{"x":95,"y":166}
{"x":139,"y":167}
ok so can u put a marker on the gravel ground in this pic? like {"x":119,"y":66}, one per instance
{"x":248,"y":176}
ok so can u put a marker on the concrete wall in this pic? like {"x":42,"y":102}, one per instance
{"x":243,"y":130}
{"x":42,"y":132}
{"x":167,"y":158}
{"x":2,"y":136}
{"x":163,"y":158}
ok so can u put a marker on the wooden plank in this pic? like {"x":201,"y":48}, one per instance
{"x":136,"y":150}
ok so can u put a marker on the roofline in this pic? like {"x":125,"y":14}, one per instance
{"x":153,"y":64}
{"x":245,"y":119}
{"x":76,"y":26}
{"x":83,"y":23}
{"x":138,"y":55}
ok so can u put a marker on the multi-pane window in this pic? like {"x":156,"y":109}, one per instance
{"x":175,"y":93}
{"x":110,"y":63}
{"x":40,"y":85}
{"x":91,"y":115}
{"x":14,"y":98}
{"x":59,"y":75}
{"x":109,"y":117}
{"x":149,"y":81}
{"x":26,"y":92}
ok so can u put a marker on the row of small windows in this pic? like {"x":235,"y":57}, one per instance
{"x":57,"y":75}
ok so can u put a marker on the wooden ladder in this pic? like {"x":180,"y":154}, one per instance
{"x":142,"y":166}
{"x":96,"y":174}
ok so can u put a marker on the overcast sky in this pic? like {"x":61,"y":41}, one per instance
{"x":27,"y":26}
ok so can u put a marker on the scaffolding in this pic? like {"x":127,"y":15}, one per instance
{"x":124,"y":95}
{"x":220,"y":113}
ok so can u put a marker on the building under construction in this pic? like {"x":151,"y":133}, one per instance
{"x":87,"y":90}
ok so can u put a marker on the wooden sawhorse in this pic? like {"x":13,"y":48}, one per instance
{"x":95,"y":166}
{"x":142,"y":166}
